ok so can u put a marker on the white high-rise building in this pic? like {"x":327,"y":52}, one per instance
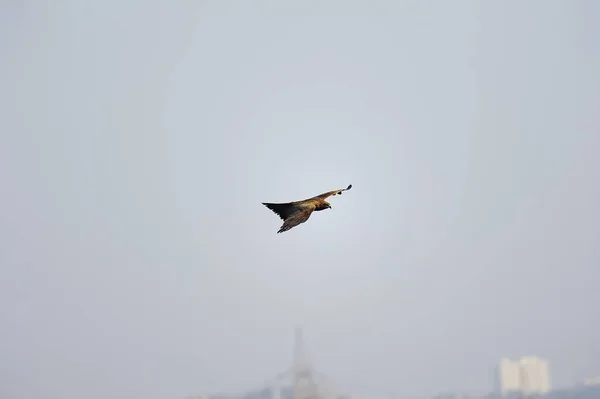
{"x":509,"y":376}
{"x":535,"y":376}
{"x":528,"y":375}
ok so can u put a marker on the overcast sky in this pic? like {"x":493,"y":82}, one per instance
{"x":139,"y":138}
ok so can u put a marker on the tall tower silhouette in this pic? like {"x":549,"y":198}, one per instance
{"x":304,"y":385}
{"x":299,"y":355}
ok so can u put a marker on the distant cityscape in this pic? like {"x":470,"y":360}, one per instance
{"x":526,"y":378}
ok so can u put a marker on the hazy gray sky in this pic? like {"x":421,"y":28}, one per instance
{"x":139,"y":139}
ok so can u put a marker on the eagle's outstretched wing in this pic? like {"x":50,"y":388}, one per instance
{"x":284,"y":210}
{"x":298,"y":217}
{"x":334,"y":192}
{"x":292,"y":213}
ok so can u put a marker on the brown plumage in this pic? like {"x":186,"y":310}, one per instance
{"x":297,"y":212}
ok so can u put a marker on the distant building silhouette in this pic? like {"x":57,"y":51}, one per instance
{"x":528,"y":376}
{"x":593,"y":381}
{"x":300,"y":381}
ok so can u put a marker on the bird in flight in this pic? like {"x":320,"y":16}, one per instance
{"x":294,"y":213}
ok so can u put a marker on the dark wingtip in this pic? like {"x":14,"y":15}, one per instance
{"x":349,"y":187}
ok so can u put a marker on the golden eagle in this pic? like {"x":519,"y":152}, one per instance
{"x":294,"y":213}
